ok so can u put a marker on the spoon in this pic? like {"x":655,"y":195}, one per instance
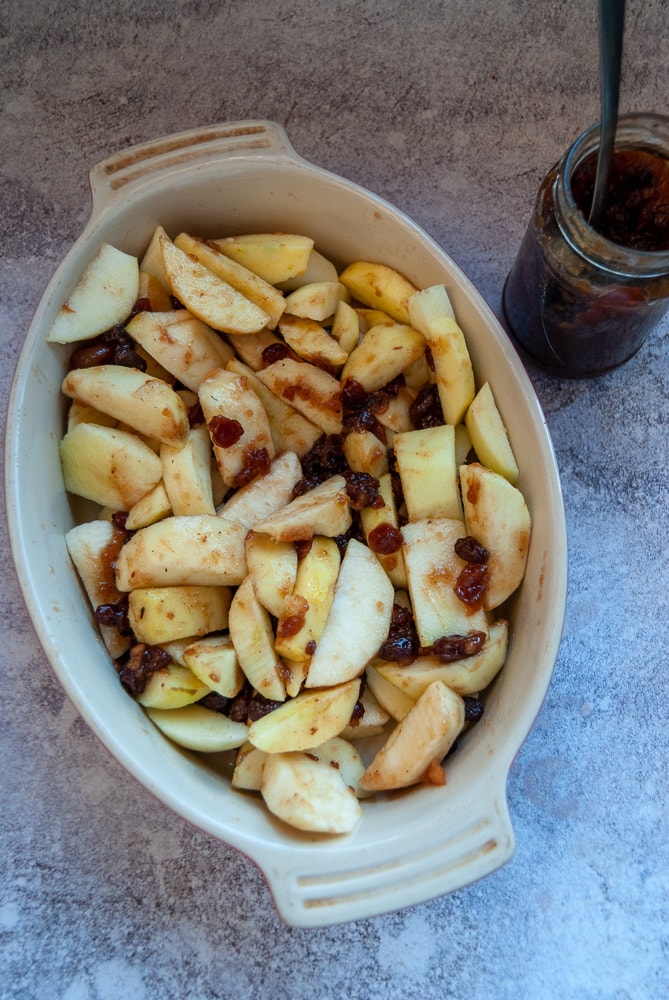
{"x":611,"y":28}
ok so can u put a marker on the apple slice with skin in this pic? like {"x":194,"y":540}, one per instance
{"x":276,"y":257}
{"x":103,"y":297}
{"x":488,"y":435}
{"x":309,"y":794}
{"x":431,"y":313}
{"x":359,"y":619}
{"x":209,"y":297}
{"x":379,"y":287}
{"x":496,"y":515}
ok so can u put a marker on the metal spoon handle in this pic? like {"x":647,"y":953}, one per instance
{"x":611,"y":29}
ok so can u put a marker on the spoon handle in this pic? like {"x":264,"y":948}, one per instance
{"x":611,"y":29}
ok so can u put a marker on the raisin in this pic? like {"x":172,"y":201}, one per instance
{"x":362,"y":490}
{"x":385,"y":539}
{"x":255,"y":462}
{"x":426,"y":411}
{"x":470,"y":550}
{"x":473,"y":708}
{"x":449,"y":648}
{"x":141,"y":662}
{"x":471,"y":584}
{"x":274,"y":352}
{"x":215,"y":702}
{"x":225,"y":432}
{"x":402,"y":643}
{"x":114,"y":614}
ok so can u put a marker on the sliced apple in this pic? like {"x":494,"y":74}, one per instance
{"x":365,"y":453}
{"x":496,"y":515}
{"x":160,"y":614}
{"x":103,"y":297}
{"x":89,"y":545}
{"x":181,"y":343}
{"x":252,"y":636}
{"x":383,"y":354}
{"x":209,"y":297}
{"x":307,"y":720}
{"x":391,"y":697}
{"x":153,"y":506}
{"x":191,"y":550}
{"x":249,"y":764}
{"x":488,"y":435}
{"x":238,"y":425}
{"x":426,"y":464}
{"x":358,"y":621}
{"x":346,"y":327}
{"x":431,"y":312}
{"x":290,"y":430}
{"x":319,"y":268}
{"x":276,"y":257}
{"x":146,"y":404}
{"x":187,"y":474}
{"x":469,"y":676}
{"x":273,"y":569}
{"x":214,"y":660}
{"x":375,"y":523}
{"x":317,"y":300}
{"x":433,"y":568}
{"x":115,"y":468}
{"x":373,"y":721}
{"x":263,"y":497}
{"x":198,"y":728}
{"x":379,"y":287}
{"x":309,"y":794}
{"x":311,"y":342}
{"x":172,"y":688}
{"x":311,"y":390}
{"x":323,"y":510}
{"x":424,"y":736}
{"x":298,"y":634}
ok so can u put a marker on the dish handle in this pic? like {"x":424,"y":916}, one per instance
{"x":138,"y":165}
{"x":317,"y":888}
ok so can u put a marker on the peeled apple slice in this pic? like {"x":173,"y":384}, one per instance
{"x":309,"y":794}
{"x":103,"y":297}
{"x":198,"y":728}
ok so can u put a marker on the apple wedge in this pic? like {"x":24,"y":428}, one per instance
{"x":358,"y":622}
{"x":305,"y":611}
{"x":346,"y":327}
{"x":198,"y":728}
{"x":187,"y":474}
{"x":311,"y":342}
{"x":309,"y":794}
{"x":89,"y":545}
{"x":191,"y":550}
{"x":307,"y":720}
{"x":249,"y":764}
{"x":273,"y":569}
{"x":153,"y":506}
{"x":382,"y":354}
{"x":254,"y":288}
{"x":184,"y":345}
{"x":423,"y":737}
{"x":470,"y":675}
{"x":113,"y":467}
{"x":365,"y":453}
{"x":263,"y":497}
{"x":252,"y":636}
{"x":290,"y":430}
{"x":207,"y":296}
{"x":162,"y":614}
{"x":103,"y":297}
{"x":148,"y":405}
{"x":426,"y":464}
{"x":379,"y":287}
{"x":319,"y":268}
{"x":488,"y":435}
{"x":171,"y":688}
{"x":431,"y":312}
{"x":323,"y":510}
{"x":213,"y":659}
{"x":496,"y":515}
{"x":317,"y":301}
{"x":433,"y":568}
{"x":276,"y":257}
{"x":375,"y":523}
{"x":238,"y":426}
{"x":312,"y":391}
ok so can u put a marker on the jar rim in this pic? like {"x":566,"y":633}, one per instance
{"x":647,"y":131}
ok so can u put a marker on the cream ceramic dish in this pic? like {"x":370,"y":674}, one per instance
{"x":410,"y":847}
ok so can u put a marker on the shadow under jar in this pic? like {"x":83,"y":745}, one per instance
{"x":581,"y":301}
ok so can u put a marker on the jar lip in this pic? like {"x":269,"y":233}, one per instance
{"x":640,"y":130}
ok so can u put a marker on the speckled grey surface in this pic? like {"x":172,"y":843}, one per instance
{"x":453,"y":111}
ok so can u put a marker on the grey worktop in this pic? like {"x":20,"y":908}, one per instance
{"x":452,"y":111}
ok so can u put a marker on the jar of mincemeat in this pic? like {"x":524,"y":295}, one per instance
{"x":580,"y":301}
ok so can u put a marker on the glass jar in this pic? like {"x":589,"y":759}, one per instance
{"x":577,"y":302}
